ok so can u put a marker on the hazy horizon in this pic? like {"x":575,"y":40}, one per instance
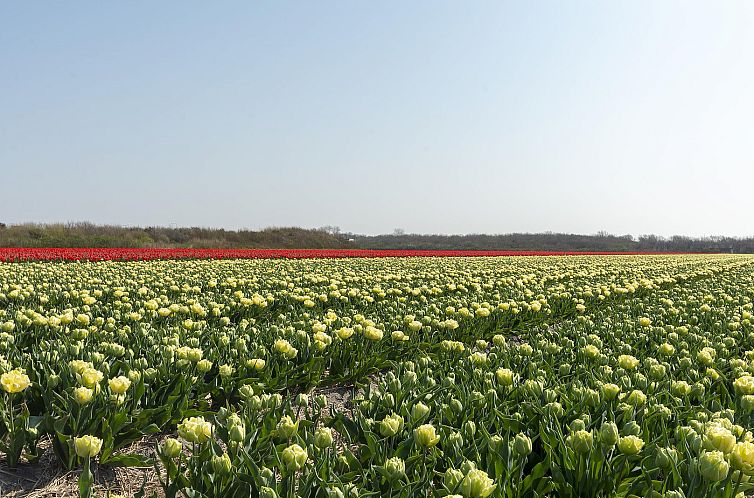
{"x":433,"y":117}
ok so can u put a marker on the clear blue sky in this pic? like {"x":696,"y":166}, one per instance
{"x":448,"y":117}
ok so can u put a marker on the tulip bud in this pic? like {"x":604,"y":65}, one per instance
{"x":237,"y":433}
{"x":742,"y":457}
{"x":87,"y":446}
{"x":294,"y":457}
{"x":391,"y":425}
{"x":286,"y":428}
{"x":134,"y":375}
{"x":246,"y":391}
{"x":203,"y":366}
{"x":274,"y":401}
{"x":609,"y":434}
{"x":666,"y":458}
{"x":504,"y":376}
{"x":323,"y":438}
{"x":425,"y":435}
{"x":630,"y":445}
{"x":452,"y":478}
{"x":119,"y":385}
{"x":171,"y":448}
{"x":221,"y":464}
{"x":267,"y":474}
{"x":713,"y":467}
{"x":456,"y":406}
{"x":581,"y":441}
{"x":419,"y":411}
{"x":455,"y":439}
{"x":396,"y":468}
{"x":255,"y":402}
{"x":53,"y":380}
{"x":477,"y":484}
{"x":150,"y":374}
{"x":636,"y":398}
{"x":522,"y":445}
{"x":554,"y":409}
{"x":577,"y":425}
{"x":83,"y":395}
{"x":719,"y":438}
{"x":195,"y":430}
{"x":657,"y":372}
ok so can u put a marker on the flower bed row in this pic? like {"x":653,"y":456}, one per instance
{"x":148,"y":254}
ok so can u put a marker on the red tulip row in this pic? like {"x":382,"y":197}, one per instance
{"x":145,"y":254}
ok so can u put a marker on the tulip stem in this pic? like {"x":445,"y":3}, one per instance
{"x":86,"y":480}
{"x":738,"y":483}
{"x":12,"y":420}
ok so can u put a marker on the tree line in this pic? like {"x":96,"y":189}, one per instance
{"x":556,"y":242}
{"x":331,"y":237}
{"x":91,"y":235}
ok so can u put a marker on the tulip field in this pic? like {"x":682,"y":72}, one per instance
{"x":146,"y":254}
{"x":502,"y":376}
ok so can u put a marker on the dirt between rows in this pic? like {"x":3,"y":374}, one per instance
{"x":46,"y":478}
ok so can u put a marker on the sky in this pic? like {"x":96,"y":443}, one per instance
{"x":631,"y":117}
